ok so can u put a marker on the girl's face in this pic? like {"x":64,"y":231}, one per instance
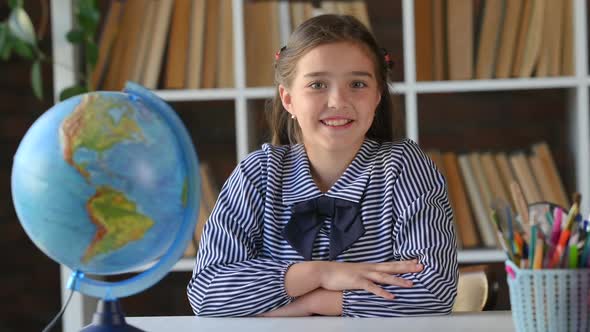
{"x":333,"y":96}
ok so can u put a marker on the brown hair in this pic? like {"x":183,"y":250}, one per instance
{"x":319,"y":30}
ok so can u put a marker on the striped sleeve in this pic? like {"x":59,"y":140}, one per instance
{"x":229,"y":279}
{"x":423,"y":230}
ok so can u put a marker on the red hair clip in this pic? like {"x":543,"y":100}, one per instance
{"x":387,"y":58}
{"x":278,"y":54}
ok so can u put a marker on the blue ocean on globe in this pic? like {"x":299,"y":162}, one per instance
{"x":102,"y":183}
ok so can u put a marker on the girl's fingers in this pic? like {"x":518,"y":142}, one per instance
{"x":399,"y":267}
{"x":372,"y":288}
{"x":388,"y":279}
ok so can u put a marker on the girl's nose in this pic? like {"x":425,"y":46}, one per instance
{"x":337,"y":98}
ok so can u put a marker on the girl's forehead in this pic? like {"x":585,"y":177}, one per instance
{"x":341,"y":55}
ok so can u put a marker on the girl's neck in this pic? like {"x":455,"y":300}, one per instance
{"x":328,"y":166}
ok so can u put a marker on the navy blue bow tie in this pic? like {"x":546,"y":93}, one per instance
{"x":307,"y":220}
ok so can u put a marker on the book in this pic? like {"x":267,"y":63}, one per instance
{"x":225,"y":64}
{"x":106,"y":43}
{"x":297,"y":13}
{"x":567,"y":56}
{"x":556,"y":29}
{"x":155,"y":56}
{"x":436,"y":157}
{"x":176,"y":60}
{"x":545,"y":187}
{"x":508,"y":38}
{"x":262,"y":41}
{"x":481,"y":213}
{"x":190,"y":250}
{"x":424,"y":31}
{"x":523,"y":172}
{"x":144,"y":41}
{"x":492,"y":174}
{"x":535,"y":34}
{"x":359,"y":10}
{"x":481,"y":180}
{"x":506,"y":173}
{"x":211,"y":50}
{"x":330,"y":7}
{"x":463,"y":216}
{"x":204,"y":213}
{"x":523,"y":31}
{"x":112,"y":77}
{"x":196,"y":45}
{"x":489,"y":39}
{"x":209,"y":194}
{"x":543,"y":152}
{"x":439,"y":41}
{"x":131,"y":26}
{"x":460,"y":39}
{"x":551,"y":40}
{"x":542,"y":68}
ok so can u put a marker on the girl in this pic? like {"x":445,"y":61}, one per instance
{"x":330,"y":220}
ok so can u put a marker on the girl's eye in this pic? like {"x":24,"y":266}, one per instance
{"x":359,"y":84}
{"x":317,"y":85}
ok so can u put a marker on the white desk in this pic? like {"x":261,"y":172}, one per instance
{"x":496,"y":321}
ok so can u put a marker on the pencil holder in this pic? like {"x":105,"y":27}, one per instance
{"x":549,"y":299}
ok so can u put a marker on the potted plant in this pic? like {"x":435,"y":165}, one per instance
{"x":18,"y":38}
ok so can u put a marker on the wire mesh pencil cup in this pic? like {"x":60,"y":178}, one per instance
{"x":549,"y":299}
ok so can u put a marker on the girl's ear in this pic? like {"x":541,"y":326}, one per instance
{"x":285,"y":98}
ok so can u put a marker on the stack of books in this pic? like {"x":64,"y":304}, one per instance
{"x":484,"y":39}
{"x":476,"y":179}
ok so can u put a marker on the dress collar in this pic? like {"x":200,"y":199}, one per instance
{"x":298,"y":184}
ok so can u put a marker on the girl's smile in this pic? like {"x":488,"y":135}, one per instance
{"x":337,"y":122}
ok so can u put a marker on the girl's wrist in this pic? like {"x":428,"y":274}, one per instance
{"x":324,"y":302}
{"x":302,"y":278}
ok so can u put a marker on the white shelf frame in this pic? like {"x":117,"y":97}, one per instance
{"x":80,"y":311}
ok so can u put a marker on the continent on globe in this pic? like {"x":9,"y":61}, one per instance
{"x":117,"y":220}
{"x":93,"y":126}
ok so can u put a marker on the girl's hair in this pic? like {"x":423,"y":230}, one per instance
{"x":320,"y":30}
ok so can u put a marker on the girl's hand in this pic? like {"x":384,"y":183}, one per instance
{"x":347,"y":276}
{"x":298,"y":308}
{"x":320,"y":302}
{"x":324,"y":302}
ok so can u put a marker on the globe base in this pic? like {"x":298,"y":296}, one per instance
{"x":109,"y":318}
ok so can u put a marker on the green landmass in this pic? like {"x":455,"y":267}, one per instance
{"x":117,"y":220}
{"x":91,"y":126}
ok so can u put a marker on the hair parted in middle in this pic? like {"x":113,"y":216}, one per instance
{"x":320,"y":30}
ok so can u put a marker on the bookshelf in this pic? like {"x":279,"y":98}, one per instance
{"x":411,"y":91}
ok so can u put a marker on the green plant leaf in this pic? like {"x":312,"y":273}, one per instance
{"x":7,"y":50}
{"x":21,"y":27}
{"x":86,"y":4}
{"x":23,"y":49}
{"x":88,"y":16}
{"x":75,"y":36}
{"x":3,"y":36}
{"x":36,"y":79}
{"x":15,"y":3}
{"x":74,"y":90}
{"x":91,"y":53}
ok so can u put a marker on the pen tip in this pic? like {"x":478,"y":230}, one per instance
{"x":577,"y":198}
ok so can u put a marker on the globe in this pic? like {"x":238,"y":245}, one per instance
{"x":107,"y":182}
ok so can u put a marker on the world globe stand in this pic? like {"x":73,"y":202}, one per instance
{"x":73,"y":168}
{"x":109,"y":317}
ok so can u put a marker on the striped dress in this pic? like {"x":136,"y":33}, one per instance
{"x":243,"y":257}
